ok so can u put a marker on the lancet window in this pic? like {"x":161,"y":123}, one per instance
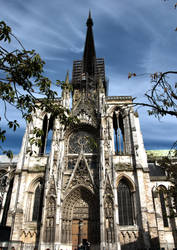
{"x":47,"y":135}
{"x":163,"y":206}
{"x":125,"y":203}
{"x":37,"y":203}
{"x":118,"y":132}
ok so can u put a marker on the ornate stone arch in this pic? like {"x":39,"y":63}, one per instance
{"x":34,"y":184}
{"x":79,"y":186}
{"x":120,"y":106}
{"x":76,"y":193}
{"x":80,"y":207}
{"x":111,"y":109}
{"x":129,"y":181}
{"x":43,"y":114}
{"x":162,"y":187}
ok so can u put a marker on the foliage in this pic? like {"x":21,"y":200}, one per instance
{"x":169,"y":164}
{"x":22,"y":83}
{"x":162,"y":96}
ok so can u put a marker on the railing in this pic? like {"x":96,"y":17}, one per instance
{"x":19,"y":245}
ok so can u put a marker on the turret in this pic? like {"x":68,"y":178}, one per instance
{"x":66,"y":92}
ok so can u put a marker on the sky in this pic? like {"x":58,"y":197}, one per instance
{"x":132,"y":36}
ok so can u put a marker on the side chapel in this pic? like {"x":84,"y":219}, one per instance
{"x":94,"y":188}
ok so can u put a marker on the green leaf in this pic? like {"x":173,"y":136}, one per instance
{"x":9,"y":154}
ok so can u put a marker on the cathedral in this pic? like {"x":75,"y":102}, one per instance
{"x":95,"y":189}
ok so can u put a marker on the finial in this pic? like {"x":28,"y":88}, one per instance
{"x":67,"y":77}
{"x":89,"y":20}
{"x":89,"y":14}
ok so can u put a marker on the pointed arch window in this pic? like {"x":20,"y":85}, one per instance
{"x":47,"y":135}
{"x":125,"y":203}
{"x":163,"y":207}
{"x":37,"y":204}
{"x":118,"y":132}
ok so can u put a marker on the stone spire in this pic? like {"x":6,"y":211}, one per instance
{"x":89,"y":57}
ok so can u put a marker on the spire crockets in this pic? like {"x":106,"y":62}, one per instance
{"x":89,"y":57}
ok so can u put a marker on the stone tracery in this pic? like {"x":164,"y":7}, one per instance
{"x":81,"y":140}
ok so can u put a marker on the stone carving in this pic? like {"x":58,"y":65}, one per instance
{"x":109,"y":219}
{"x":81,"y":140}
{"x":4,"y":181}
{"x":52,"y":189}
{"x":108,"y":212}
{"x":28,"y":237}
{"x":123,"y":166}
{"x":108,"y":188}
{"x":49,"y":235}
{"x":129,"y":238}
{"x":81,"y":210}
{"x":85,"y":108}
{"x":81,"y":175}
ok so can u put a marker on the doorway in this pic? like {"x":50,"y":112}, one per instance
{"x":80,"y":218}
{"x":79,"y":233}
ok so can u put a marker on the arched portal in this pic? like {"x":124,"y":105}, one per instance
{"x":80,"y":218}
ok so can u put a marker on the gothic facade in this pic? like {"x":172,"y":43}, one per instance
{"x":94,"y":187}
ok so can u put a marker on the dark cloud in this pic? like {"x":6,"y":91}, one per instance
{"x":133,"y":36}
{"x":157,"y":144}
{"x":13,"y":140}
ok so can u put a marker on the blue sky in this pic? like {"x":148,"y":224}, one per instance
{"x":132,"y":36}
